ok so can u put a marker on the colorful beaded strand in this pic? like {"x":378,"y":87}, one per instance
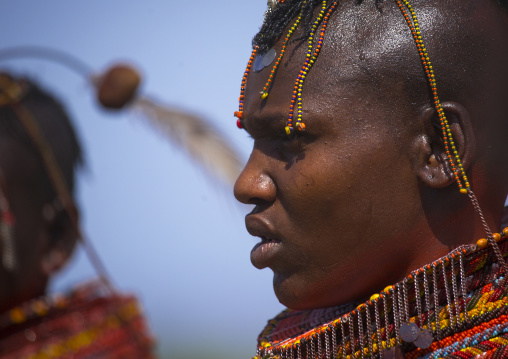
{"x":445,"y":126}
{"x":297,"y":92}
{"x":266,"y":88}
{"x":310,"y":59}
{"x":453,"y":156}
{"x":239,"y":114}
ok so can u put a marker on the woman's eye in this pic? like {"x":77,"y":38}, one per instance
{"x":293,"y":141}
{"x":296,"y":142}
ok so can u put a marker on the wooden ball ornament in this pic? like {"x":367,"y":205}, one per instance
{"x":118,"y":86}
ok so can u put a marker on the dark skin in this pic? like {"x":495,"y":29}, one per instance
{"x":365,"y":195}
{"x":43,"y":243}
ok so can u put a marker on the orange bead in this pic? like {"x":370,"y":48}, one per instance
{"x":17,"y":315}
{"x":505,"y":231}
{"x":482,"y":243}
{"x":497,"y":237}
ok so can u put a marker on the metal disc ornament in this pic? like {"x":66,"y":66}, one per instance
{"x":409,"y":332}
{"x":262,"y":61}
{"x":424,"y":340}
{"x":269,"y":57}
{"x":258,"y":63}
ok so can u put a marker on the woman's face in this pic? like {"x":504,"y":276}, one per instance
{"x":335,"y":205}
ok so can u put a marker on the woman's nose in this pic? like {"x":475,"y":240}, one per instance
{"x":254,"y":185}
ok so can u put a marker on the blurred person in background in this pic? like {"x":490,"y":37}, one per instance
{"x":39,"y":156}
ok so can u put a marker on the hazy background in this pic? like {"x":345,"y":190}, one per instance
{"x":163,"y":230}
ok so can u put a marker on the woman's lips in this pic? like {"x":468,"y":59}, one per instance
{"x":264,"y":252}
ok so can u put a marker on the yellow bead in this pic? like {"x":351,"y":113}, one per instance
{"x":387,"y":289}
{"x":482,"y":243}
{"x":288,"y":130}
{"x":463,"y":191}
{"x":17,"y":315}
{"x":40,"y":307}
{"x":374,"y":297}
{"x":264,"y":95}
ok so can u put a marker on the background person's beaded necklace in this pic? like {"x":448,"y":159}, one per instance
{"x":457,"y":304}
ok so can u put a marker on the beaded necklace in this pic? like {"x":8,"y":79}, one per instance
{"x":459,"y":303}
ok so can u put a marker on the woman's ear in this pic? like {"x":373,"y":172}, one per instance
{"x":433,"y":165}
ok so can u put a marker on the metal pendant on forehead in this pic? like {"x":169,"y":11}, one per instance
{"x":264,"y":60}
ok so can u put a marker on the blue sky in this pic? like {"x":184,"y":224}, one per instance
{"x":162,"y":228}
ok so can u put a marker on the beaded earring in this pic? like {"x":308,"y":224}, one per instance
{"x":7,"y":234}
{"x":449,"y":144}
{"x":451,"y":150}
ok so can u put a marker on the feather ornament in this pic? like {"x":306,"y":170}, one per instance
{"x":196,"y":136}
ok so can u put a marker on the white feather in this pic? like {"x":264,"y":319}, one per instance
{"x":195,"y":135}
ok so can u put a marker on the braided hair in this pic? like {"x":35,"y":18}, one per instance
{"x":277,"y":20}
